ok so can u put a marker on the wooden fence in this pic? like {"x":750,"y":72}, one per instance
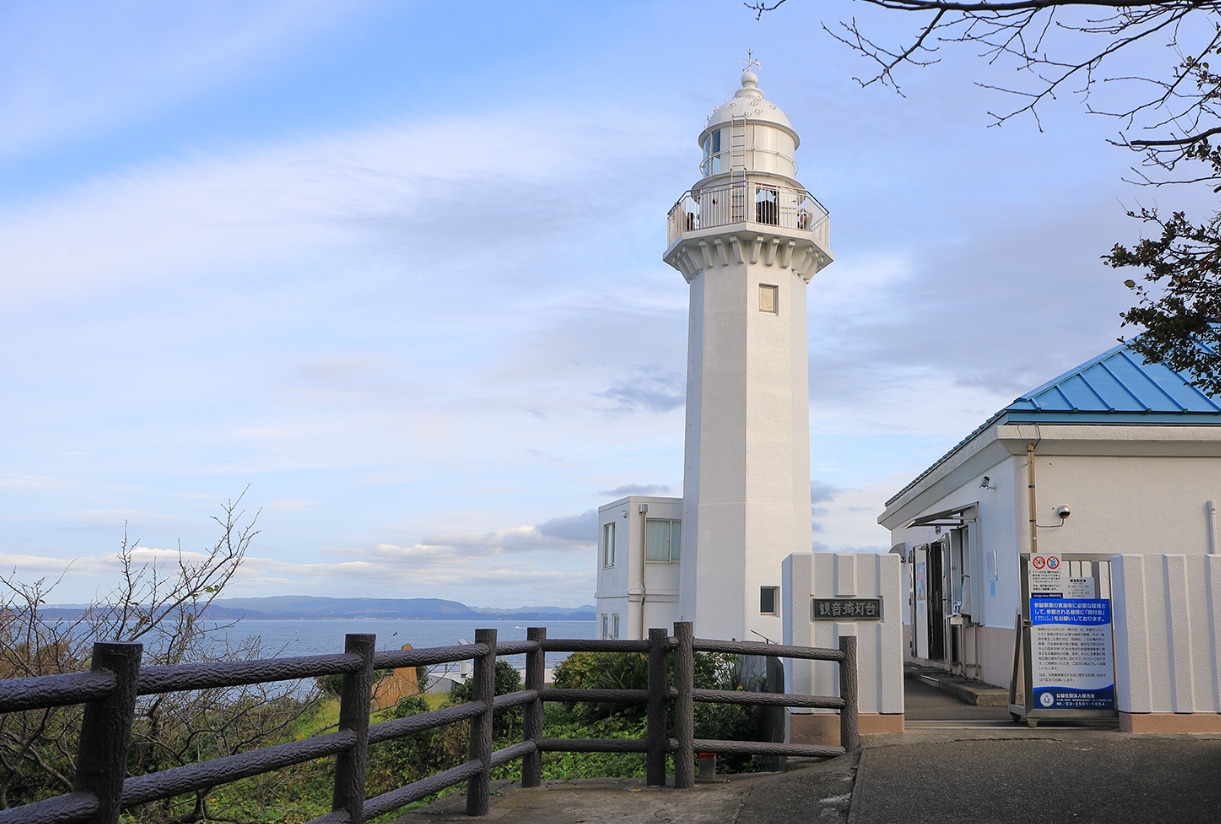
{"x":109,"y":691}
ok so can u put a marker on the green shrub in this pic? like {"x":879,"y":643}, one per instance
{"x":609,"y":670}
{"x":402,"y":761}
{"x":332,"y":684}
{"x":507,"y":724}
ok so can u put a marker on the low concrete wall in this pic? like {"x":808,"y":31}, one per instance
{"x":879,"y":642}
{"x":1167,"y":620}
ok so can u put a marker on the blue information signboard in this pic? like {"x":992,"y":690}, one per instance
{"x":1071,"y":654}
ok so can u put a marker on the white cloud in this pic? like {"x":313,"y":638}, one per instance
{"x":82,"y":68}
{"x":200,"y":215}
{"x":41,"y":483}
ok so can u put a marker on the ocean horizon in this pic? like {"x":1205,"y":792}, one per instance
{"x":283,"y":638}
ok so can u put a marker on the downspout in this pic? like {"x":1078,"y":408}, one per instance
{"x":643,"y":509}
{"x":1211,"y":508}
{"x":1034,"y":533}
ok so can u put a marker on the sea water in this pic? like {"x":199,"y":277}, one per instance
{"x":282,"y":639}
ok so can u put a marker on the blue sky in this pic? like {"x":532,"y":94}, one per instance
{"x":396,"y":268}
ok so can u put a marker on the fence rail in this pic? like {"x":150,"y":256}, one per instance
{"x":110,"y":690}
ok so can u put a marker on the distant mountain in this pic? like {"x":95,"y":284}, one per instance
{"x":305,"y":607}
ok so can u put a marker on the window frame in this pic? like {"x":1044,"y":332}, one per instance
{"x":608,"y":545}
{"x":775,"y":595}
{"x":673,"y":541}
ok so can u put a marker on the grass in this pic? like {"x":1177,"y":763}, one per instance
{"x":300,"y":793}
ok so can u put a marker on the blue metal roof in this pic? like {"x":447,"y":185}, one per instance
{"x":1117,"y":387}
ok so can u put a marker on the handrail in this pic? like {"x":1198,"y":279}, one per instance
{"x":109,"y":692}
{"x":755,"y":202}
{"x":45,"y":691}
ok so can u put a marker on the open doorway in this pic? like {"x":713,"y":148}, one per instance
{"x":936,"y":599}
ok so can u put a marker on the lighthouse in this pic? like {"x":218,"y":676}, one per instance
{"x":747,"y":237}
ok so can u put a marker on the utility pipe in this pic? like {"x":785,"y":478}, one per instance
{"x":1034,"y":533}
{"x":643,"y":509}
{"x":1210,"y":506}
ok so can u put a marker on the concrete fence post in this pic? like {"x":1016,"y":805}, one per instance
{"x":101,"y":760}
{"x":483,"y":688}
{"x":849,"y":729}
{"x":659,"y":697}
{"x":355,"y":699}
{"x":536,"y":668}
{"x":684,"y":706}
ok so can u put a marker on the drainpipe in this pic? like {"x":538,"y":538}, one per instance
{"x":644,"y":532}
{"x":1034,"y":534}
{"x":1210,"y":506}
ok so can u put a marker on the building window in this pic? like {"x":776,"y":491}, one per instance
{"x":769,"y":299}
{"x":712,"y":154}
{"x":615,"y":625}
{"x":608,"y":544}
{"x":662,"y":540}
{"x":769,"y":599}
{"x":605,"y":626}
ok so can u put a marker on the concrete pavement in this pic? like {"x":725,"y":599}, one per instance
{"x":1043,"y":776}
{"x":808,"y":791}
{"x":957,"y":763}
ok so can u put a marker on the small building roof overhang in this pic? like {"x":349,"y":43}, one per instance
{"x":956,"y":516}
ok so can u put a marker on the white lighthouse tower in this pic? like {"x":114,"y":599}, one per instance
{"x":748,"y":237}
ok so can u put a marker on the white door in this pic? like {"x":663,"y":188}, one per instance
{"x":920,"y":602}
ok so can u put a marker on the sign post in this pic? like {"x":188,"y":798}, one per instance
{"x":1064,"y":636}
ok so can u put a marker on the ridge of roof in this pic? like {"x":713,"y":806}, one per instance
{"x":1116,"y":387}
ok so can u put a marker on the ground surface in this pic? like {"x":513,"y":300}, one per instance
{"x":957,"y":763}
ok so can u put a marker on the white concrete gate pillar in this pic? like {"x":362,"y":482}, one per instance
{"x":828,"y":596}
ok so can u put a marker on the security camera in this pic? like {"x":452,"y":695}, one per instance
{"x":1063,"y":512}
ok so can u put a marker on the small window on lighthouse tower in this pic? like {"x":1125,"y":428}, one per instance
{"x":769,"y":299}
{"x":768,"y":598}
{"x":712,"y":154}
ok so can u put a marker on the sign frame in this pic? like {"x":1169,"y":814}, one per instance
{"x":868,"y":608}
{"x":1060,"y":592}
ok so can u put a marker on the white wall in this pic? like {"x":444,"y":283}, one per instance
{"x":747,"y":480}
{"x":995,"y":539}
{"x":1167,"y":619}
{"x":879,"y":643}
{"x":1130,"y":489}
{"x":644,"y":595}
{"x":1126,"y":504}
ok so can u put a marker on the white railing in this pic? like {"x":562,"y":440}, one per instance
{"x":752,"y":201}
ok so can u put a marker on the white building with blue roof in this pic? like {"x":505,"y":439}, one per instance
{"x":1118,"y":457}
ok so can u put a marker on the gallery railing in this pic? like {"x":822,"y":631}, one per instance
{"x":750,"y":201}
{"x":109,"y":692}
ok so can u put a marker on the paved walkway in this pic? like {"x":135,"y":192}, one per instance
{"x":810,"y":791}
{"x":957,"y":763}
{"x":1043,"y":776}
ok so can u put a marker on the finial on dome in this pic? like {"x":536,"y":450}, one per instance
{"x":750,"y":80}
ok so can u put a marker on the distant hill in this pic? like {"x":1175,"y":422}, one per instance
{"x":306,"y":607}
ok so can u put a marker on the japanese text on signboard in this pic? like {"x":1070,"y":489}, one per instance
{"x":846,"y":609}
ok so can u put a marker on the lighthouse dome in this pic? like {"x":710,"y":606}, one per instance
{"x":750,"y":103}
{"x":749,"y":133}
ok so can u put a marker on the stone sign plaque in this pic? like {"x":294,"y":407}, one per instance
{"x":846,"y":609}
